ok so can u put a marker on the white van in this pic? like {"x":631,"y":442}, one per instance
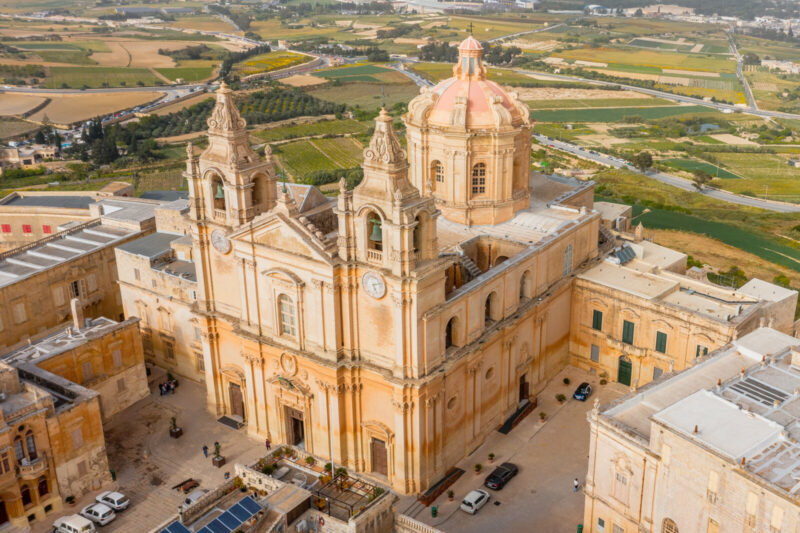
{"x":73,"y":524}
{"x":193,"y":497}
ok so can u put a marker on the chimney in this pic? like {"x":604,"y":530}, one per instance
{"x":77,"y":314}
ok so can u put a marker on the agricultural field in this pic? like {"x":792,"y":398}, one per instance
{"x":650,"y":58}
{"x":690,"y":165}
{"x":766,"y":49}
{"x":366,"y":95}
{"x":302,"y":157}
{"x":325,"y":127}
{"x":270,"y":61}
{"x":597,"y":102}
{"x":10,"y":127}
{"x":768,"y":86}
{"x":617,"y":114}
{"x":69,"y":108}
{"x":177,"y":106}
{"x":14,"y":104}
{"x":95,"y":77}
{"x":203,"y":23}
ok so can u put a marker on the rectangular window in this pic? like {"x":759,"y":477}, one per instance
{"x":91,"y":282}
{"x":627,"y":332}
{"x":20,"y":315}
{"x":201,"y":363}
{"x":169,"y":350}
{"x":6,"y":463}
{"x":597,"y":320}
{"x":147,"y":343}
{"x":595,"y":353}
{"x":197,"y":334}
{"x":137,"y":275}
{"x":26,"y":228}
{"x":77,"y":438}
{"x":194,"y":295}
{"x":58,"y":296}
{"x":46,"y":229}
{"x":116,"y":355}
{"x":751,"y":510}
{"x":601,"y":525}
{"x":82,"y":470}
{"x":153,"y":283}
{"x":661,"y":342}
{"x":6,"y":228}
{"x":657,"y":372}
{"x":75,"y":289}
{"x":121,"y":385}
{"x":713,"y":487}
{"x":701,"y":350}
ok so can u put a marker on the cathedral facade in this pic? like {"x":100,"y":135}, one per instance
{"x":393,"y":328}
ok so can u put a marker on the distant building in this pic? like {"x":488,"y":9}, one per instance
{"x":25,"y":156}
{"x":711,"y":449}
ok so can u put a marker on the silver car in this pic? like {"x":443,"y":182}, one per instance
{"x":115,"y":500}
{"x":98,"y":513}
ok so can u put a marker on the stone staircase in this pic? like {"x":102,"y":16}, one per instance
{"x":607,"y":240}
{"x":470,"y":266}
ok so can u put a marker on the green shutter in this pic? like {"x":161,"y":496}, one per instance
{"x":627,"y":332}
{"x":661,"y":342}
{"x":701,"y":350}
{"x":597,"y":320}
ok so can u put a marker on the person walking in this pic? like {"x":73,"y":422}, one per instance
{"x":268,"y":444}
{"x":575,"y":485}
{"x":205,"y":450}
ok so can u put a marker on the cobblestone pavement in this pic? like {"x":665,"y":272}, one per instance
{"x":148,"y":462}
{"x":540,"y":499}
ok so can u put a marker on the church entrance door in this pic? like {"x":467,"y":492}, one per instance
{"x":523,"y":387}
{"x":379,"y":459}
{"x":295,"y":429}
{"x":237,"y":403}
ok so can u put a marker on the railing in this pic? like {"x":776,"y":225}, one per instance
{"x":219,"y":214}
{"x":32,"y":469}
{"x":405,"y":524}
{"x":53,"y":237}
{"x":374,"y":255}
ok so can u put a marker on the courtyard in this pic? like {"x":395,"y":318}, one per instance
{"x":148,"y":463}
{"x":549,"y":455}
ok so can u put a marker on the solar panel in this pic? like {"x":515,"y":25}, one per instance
{"x":250,"y":504}
{"x":625,"y":254}
{"x":175,"y":527}
{"x":760,"y":392}
{"x":240,"y":513}
{"x":218,"y":527}
{"x":229,"y":520}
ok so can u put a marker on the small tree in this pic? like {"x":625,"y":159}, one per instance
{"x":782,"y":280}
{"x":643,"y":161}
{"x":700,"y":178}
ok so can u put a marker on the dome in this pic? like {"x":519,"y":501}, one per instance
{"x":470,"y":100}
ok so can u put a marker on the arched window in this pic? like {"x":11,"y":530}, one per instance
{"x":374,"y":232}
{"x":288,"y":316}
{"x":523,"y":286}
{"x":500,"y":259}
{"x":42,"y":487}
{"x":669,"y":526}
{"x":449,"y":332}
{"x":25,"y":492}
{"x":437,"y":169}
{"x":489,"y":309}
{"x":417,"y":235}
{"x":260,"y":193}
{"x":218,"y":193}
{"x":567,"y":270}
{"x":30,"y":443}
{"x":18,"y":451}
{"x":479,"y":179}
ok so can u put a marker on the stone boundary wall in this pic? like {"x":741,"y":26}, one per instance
{"x":406,"y":524}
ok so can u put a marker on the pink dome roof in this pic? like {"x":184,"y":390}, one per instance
{"x":478,"y":95}
{"x":470,"y":43}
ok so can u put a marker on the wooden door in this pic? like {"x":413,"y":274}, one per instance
{"x":379,"y":459}
{"x":624,"y":371}
{"x":237,"y":403}
{"x":523,"y":388}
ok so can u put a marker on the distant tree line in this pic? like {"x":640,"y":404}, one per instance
{"x":242,"y":20}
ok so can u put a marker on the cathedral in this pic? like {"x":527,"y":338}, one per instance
{"x":390,"y":329}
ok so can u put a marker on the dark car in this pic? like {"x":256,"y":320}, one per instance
{"x":583,"y":392}
{"x":500,"y":476}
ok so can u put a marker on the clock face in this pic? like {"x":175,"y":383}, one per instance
{"x":220,"y":242}
{"x":373,"y":284}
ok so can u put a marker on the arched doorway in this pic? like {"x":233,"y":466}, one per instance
{"x":624,"y":370}
{"x":236,"y":400}
{"x":3,"y":513}
{"x":380,"y":461}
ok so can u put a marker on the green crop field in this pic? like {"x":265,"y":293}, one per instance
{"x":366,"y":95}
{"x":617,"y":114}
{"x":600,"y":102}
{"x":759,"y":166}
{"x":347,"y":72}
{"x":679,"y":47}
{"x":188,"y":74}
{"x":44,"y":46}
{"x":766,"y":248}
{"x":690,"y":165}
{"x":77,"y":77}
{"x":303,"y":157}
{"x":650,"y":58}
{"x":270,"y":61}
{"x":325,"y":127}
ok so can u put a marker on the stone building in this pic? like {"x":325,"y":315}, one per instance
{"x":391,"y":329}
{"x":636,"y":315}
{"x":38,"y":280}
{"x":713,"y":448}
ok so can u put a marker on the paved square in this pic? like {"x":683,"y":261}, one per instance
{"x":149,"y":463}
{"x":549,"y":456}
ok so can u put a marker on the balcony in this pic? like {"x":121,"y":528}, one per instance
{"x":219,"y":215}
{"x":32,"y":469}
{"x":375,"y":255}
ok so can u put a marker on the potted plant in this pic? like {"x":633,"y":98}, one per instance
{"x":478,"y":468}
{"x":218,"y":460}
{"x":70,"y":500}
{"x":491,"y":458}
{"x":174,"y":430}
{"x":603,"y":378}
{"x":289,"y":453}
{"x":328,"y":467}
{"x":239,"y":484}
{"x":560,"y":398}
{"x":566,"y":381}
{"x":542,"y":416}
{"x":268,"y":469}
{"x":450,"y":494}
{"x":310,"y":461}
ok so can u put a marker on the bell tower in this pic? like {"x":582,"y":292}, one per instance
{"x":384,"y":221}
{"x":229,"y":184}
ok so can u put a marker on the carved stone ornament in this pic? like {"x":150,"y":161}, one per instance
{"x":384,"y":146}
{"x":225,"y":116}
{"x":288,"y":364}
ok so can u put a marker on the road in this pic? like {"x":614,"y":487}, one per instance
{"x":512,"y":35}
{"x":751,"y":101}
{"x":670,"y":179}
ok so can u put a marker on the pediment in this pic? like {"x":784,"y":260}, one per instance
{"x":280,"y":233}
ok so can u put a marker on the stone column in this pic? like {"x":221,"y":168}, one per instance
{"x":398,"y":312}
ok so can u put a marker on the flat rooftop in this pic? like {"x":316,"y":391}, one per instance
{"x":23,"y":262}
{"x":151,"y":246}
{"x":743,"y":400}
{"x":65,"y":202}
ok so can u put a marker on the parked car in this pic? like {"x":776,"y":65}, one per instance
{"x":73,"y":524}
{"x":474,"y":501}
{"x":99,"y":513}
{"x":115,"y":500}
{"x":583,"y":392}
{"x":500,"y":476}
